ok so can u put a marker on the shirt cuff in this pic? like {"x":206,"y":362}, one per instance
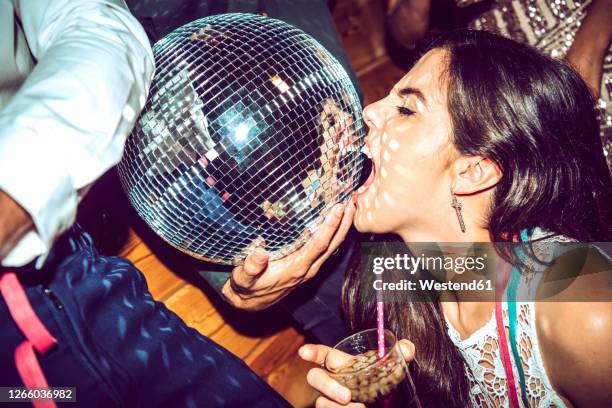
{"x":31,"y":172}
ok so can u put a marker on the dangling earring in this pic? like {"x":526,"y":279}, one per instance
{"x":457,"y":206}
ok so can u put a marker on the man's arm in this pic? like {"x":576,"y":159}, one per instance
{"x":67,"y":123}
{"x":14,"y":222}
{"x":591,"y":43}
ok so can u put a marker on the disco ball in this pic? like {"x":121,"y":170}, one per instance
{"x":252,"y":131}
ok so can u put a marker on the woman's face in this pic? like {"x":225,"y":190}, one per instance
{"x":409,"y":139}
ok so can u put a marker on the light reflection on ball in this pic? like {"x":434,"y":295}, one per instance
{"x":252,"y":131}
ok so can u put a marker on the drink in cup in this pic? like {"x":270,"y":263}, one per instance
{"x":375,"y":381}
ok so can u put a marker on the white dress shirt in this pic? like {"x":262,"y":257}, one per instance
{"x":74,"y":75}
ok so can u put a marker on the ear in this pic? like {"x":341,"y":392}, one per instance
{"x":475,"y":174}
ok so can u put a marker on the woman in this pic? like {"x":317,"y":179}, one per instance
{"x":512,"y":135}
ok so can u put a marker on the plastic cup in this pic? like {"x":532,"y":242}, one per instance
{"x":377,"y":382}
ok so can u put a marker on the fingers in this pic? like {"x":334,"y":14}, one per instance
{"x":259,"y":283}
{"x":321,"y":239}
{"x":407,"y":348}
{"x":345,"y":225}
{"x":315,"y":353}
{"x":320,"y":354}
{"x":330,"y":388}
{"x":343,"y":229}
{"x":251,"y":299}
{"x":254,"y":265}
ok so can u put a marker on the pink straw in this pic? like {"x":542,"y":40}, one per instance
{"x":380,"y":320}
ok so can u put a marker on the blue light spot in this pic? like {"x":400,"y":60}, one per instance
{"x":121,"y":326}
{"x":107,"y":285}
{"x":165,"y":358}
{"x":127,"y":303}
{"x":234,"y":382}
{"x":187,"y":353}
{"x":142,"y":355}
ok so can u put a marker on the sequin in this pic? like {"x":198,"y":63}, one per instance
{"x":549,"y":26}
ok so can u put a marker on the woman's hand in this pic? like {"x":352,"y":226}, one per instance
{"x":258,"y":283}
{"x":334,"y":394}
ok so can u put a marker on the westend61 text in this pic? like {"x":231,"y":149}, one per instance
{"x":430,"y":284}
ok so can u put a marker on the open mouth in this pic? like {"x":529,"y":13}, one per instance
{"x":368,"y":172}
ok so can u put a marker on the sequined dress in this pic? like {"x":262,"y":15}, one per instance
{"x":550,"y":27}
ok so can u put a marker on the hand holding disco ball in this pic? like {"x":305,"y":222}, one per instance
{"x":252,"y":132}
{"x":258,"y":283}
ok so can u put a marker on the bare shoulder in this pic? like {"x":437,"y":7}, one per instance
{"x":574,"y":327}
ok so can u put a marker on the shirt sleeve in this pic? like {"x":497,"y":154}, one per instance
{"x":68,"y":122}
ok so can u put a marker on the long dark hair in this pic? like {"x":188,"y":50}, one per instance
{"x":533,"y":116}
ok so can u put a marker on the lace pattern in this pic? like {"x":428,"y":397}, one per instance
{"x":485,"y":368}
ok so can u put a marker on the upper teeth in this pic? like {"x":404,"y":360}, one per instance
{"x":366,"y":150}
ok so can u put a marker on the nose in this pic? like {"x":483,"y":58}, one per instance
{"x":372,"y":115}
{"x":374,"y":118}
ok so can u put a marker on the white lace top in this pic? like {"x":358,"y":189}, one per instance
{"x":485,"y":369}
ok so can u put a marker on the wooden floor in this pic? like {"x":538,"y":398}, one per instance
{"x":266,"y":342}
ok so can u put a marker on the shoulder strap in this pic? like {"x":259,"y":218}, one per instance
{"x":502,"y":281}
{"x":513,"y":318}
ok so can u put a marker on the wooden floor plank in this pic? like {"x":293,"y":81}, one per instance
{"x":195,"y":309}
{"x":162,"y":281}
{"x":192,"y":305}
{"x":236,"y":343}
{"x":274,"y":350}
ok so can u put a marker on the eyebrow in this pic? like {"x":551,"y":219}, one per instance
{"x":413,"y":91}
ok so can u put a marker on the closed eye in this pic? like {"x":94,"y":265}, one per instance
{"x":405,"y":111}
